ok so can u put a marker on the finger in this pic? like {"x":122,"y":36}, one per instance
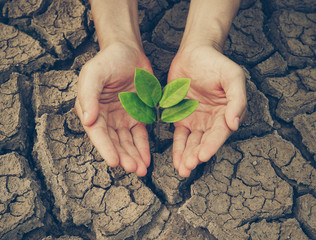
{"x":189,"y":162}
{"x":140,"y":136}
{"x":179,"y":141}
{"x":237,"y":101}
{"x":126,"y":161}
{"x":127,"y":143}
{"x":190,"y":157}
{"x":213,"y":139}
{"x":100,"y":138}
{"x":89,"y":90}
{"x":184,"y":172}
{"x":102,"y":142}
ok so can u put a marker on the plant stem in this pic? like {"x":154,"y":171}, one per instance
{"x":157,"y":129}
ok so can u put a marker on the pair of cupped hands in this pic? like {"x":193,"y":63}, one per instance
{"x":216,"y":82}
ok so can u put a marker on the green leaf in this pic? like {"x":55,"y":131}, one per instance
{"x":136,"y":108}
{"x":180,"y":111}
{"x":174,"y":92}
{"x":147,"y":87}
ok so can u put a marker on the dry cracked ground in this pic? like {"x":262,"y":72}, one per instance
{"x":53,"y":183}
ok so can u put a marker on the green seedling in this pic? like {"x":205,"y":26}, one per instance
{"x":149,"y":100}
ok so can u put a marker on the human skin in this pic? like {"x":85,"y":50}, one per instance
{"x":121,"y":140}
{"x":216,"y":82}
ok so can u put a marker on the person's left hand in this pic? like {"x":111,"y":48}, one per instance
{"x":219,"y":85}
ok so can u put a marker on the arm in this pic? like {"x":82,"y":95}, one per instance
{"x":116,"y":24}
{"x":121,"y":140}
{"x":116,"y":21}
{"x":216,"y":82}
{"x":208,"y":23}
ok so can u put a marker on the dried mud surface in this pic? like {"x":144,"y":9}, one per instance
{"x":54,"y":185}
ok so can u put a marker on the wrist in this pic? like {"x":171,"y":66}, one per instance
{"x":208,"y":23}
{"x":214,"y":37}
{"x":130,"y":41}
{"x":116,"y":22}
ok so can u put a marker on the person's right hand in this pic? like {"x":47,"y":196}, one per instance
{"x":121,"y":140}
{"x":219,"y":85}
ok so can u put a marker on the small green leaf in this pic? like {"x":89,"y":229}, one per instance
{"x":174,"y":92}
{"x":136,"y":108}
{"x":180,"y":111}
{"x":147,"y":87}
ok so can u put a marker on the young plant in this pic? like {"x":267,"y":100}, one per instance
{"x":145,"y":105}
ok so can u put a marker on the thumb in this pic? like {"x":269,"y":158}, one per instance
{"x":174,"y":72}
{"x":237,"y":102}
{"x":89,"y":90}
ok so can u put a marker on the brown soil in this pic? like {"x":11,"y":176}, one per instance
{"x":54,"y":185}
